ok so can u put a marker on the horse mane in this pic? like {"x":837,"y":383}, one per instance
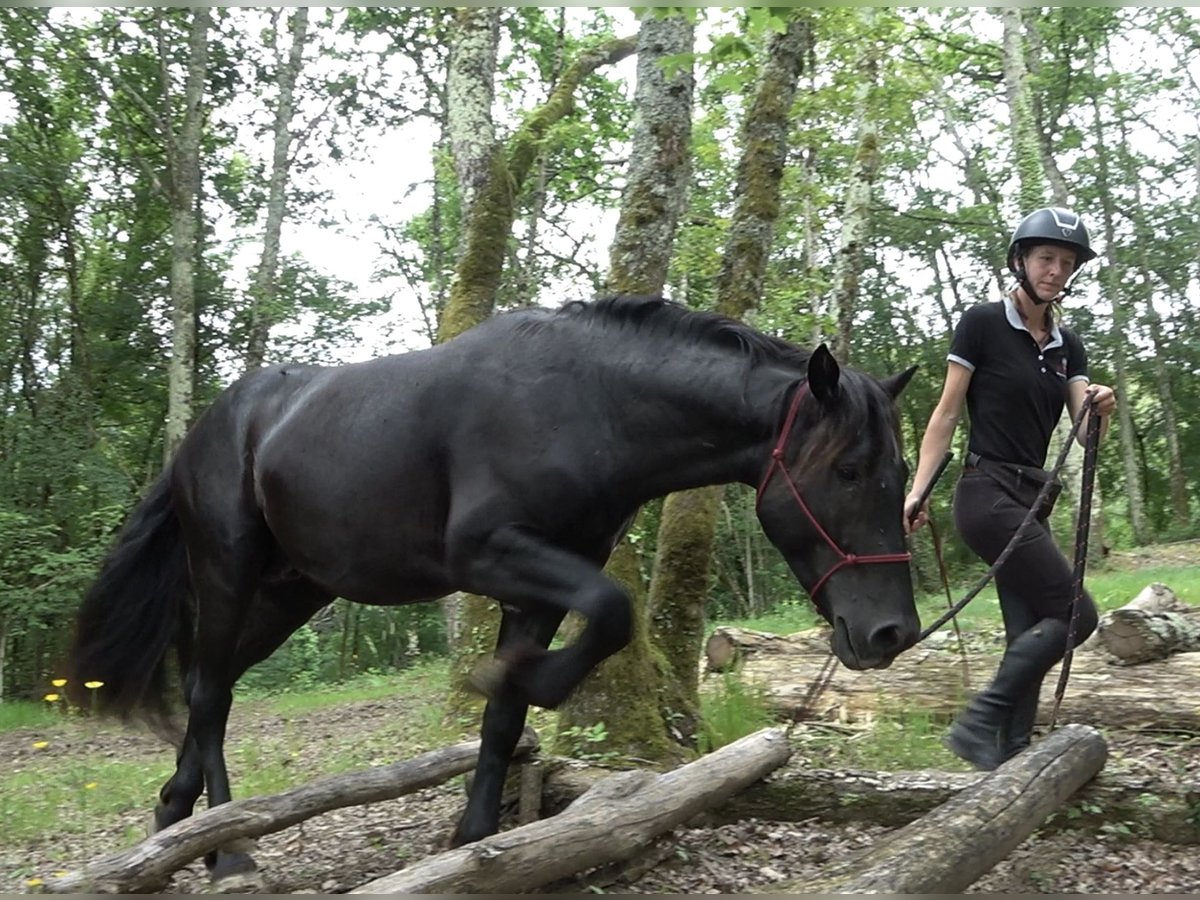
{"x":665,"y":317}
{"x":862,"y":409}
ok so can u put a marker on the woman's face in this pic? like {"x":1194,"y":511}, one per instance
{"x":1048,"y":266}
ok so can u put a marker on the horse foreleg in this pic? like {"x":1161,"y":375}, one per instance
{"x":516,"y":567}
{"x":503,"y":721}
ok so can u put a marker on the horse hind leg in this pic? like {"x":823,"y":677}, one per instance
{"x":278,"y":609}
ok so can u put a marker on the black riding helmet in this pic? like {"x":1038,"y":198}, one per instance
{"x":1049,"y":225}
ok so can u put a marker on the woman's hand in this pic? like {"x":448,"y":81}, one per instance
{"x":1104,"y":399}
{"x":914,"y":518}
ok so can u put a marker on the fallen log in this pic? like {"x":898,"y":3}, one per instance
{"x":947,"y":850}
{"x":1149,"y":807}
{"x":728,"y":646}
{"x":1152,"y":626}
{"x":611,"y":822}
{"x":147,"y":866}
{"x":1164,"y":695}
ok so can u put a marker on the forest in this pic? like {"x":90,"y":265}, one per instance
{"x":172,"y":182}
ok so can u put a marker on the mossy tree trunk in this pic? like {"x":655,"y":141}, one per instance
{"x":499,"y":173}
{"x":632,"y":693}
{"x":679,"y":586}
{"x":856,"y":205}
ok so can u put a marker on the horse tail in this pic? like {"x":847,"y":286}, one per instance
{"x":137,"y":610}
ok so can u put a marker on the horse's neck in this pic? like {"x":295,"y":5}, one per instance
{"x":694,"y":423}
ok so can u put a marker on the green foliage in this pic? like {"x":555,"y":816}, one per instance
{"x":16,"y":714}
{"x":902,"y":741}
{"x":730,"y":710}
{"x":586,"y":742}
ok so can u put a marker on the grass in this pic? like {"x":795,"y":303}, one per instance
{"x":1109,"y":587}
{"x":59,"y":789}
{"x":26,"y":714}
{"x":895,"y":742}
{"x":912,"y":739}
{"x":732,"y":710}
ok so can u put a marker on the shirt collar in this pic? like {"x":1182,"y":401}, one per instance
{"x":1014,"y":319}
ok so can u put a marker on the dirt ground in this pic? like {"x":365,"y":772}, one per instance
{"x":340,"y":850}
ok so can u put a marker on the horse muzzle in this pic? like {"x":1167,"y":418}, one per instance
{"x":877,"y":649}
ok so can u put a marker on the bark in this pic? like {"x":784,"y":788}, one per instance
{"x":1112,"y":279}
{"x":728,"y":647}
{"x":856,"y":207}
{"x":947,"y":850}
{"x":146,"y":866}
{"x":470,"y":90}
{"x":263,"y":293}
{"x":612,"y":822}
{"x":659,"y":160}
{"x":1162,"y":810}
{"x":1147,"y":631}
{"x":183,"y":162}
{"x":490,"y":219}
{"x":1027,"y":156}
{"x":1162,"y":694}
{"x":635,"y":693}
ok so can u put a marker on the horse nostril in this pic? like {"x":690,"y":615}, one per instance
{"x":887,"y":639}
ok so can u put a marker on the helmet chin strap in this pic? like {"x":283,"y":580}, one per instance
{"x":1027,"y":286}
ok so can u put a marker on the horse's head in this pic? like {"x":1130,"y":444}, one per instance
{"x":832,"y":502}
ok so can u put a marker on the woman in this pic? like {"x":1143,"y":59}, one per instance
{"x":1016,"y":367}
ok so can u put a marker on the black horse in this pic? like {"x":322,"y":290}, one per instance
{"x":507,"y":462}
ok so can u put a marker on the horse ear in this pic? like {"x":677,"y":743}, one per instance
{"x":894,"y":384}
{"x":823,"y":375}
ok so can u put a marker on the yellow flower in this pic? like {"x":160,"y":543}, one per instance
{"x":92,"y":685}
{"x":51,"y":698}
{"x":34,"y":882}
{"x":59,"y":682}
{"x":40,"y":745}
{"x":89,"y":785}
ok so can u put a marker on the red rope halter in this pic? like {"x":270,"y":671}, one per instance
{"x":777,"y":456}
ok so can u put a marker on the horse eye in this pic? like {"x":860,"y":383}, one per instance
{"x":846,"y":473}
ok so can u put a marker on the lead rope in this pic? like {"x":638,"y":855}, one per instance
{"x":1082,"y":530}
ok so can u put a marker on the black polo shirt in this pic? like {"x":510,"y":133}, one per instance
{"x":1018,"y":389}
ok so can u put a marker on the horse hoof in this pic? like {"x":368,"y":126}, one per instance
{"x":488,"y":677}
{"x":235,"y":872}
{"x":240,"y":883}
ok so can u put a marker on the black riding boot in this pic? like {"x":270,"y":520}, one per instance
{"x":1020,"y":727}
{"x":982,"y":733}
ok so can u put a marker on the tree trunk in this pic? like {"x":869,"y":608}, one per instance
{"x":659,"y":160}
{"x":679,"y":588}
{"x":613,"y":821}
{"x":1027,"y":155}
{"x":263,"y":292}
{"x":635,"y":693}
{"x":477,"y":277}
{"x":470,"y":90}
{"x":1150,"y":627}
{"x":947,"y":850}
{"x":490,"y":219}
{"x":856,"y":207}
{"x":630,"y":692}
{"x":183,"y":161}
{"x":146,"y":866}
